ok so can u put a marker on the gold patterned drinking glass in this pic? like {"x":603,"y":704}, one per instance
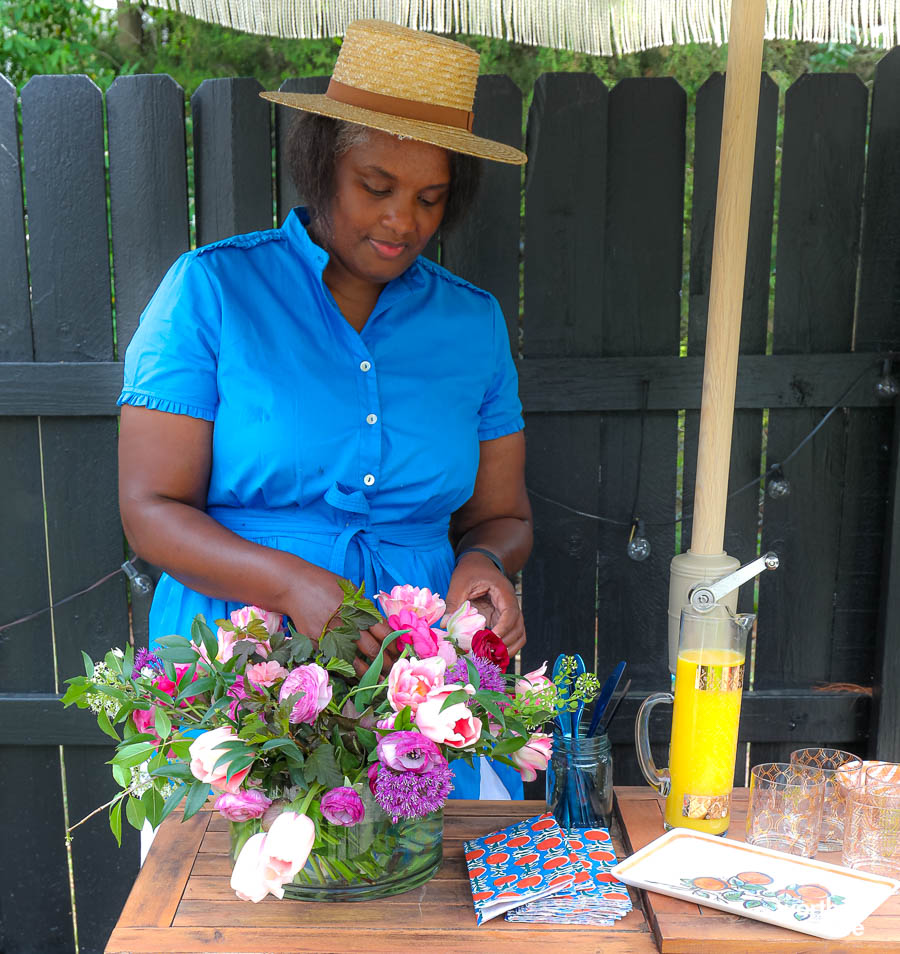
{"x":828,"y":761}
{"x":883,"y":778}
{"x":785,"y":809}
{"x":872,"y":825}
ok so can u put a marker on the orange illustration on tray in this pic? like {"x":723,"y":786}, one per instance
{"x":752,"y":889}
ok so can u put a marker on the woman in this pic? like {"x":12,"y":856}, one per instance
{"x":316,"y":401}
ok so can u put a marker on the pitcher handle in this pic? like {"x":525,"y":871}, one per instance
{"x":659,"y":780}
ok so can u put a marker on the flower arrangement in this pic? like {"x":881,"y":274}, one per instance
{"x":299,"y":750}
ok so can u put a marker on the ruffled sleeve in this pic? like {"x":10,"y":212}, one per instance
{"x":501,"y":410}
{"x":171,"y":362}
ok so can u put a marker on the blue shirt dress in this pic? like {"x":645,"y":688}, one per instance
{"x":349,"y":449}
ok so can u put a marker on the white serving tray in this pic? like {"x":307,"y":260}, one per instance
{"x":801,"y":894}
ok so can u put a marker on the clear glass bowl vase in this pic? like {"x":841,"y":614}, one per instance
{"x":374,"y":859}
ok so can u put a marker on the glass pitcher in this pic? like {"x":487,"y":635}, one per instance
{"x":709,"y":681}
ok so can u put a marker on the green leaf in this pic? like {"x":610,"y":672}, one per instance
{"x":162,"y":723}
{"x":203,"y":636}
{"x":474,"y":674}
{"x":196,"y":798}
{"x":172,"y":803}
{"x":88,"y":665}
{"x":239,"y":764}
{"x":153,"y":806}
{"x":74,"y":692}
{"x":132,"y":755}
{"x":337,"y":644}
{"x":459,"y":696}
{"x":115,"y":821}
{"x":195,"y":688}
{"x":128,"y":662}
{"x":177,"y":654}
{"x":321,"y":766}
{"x":121,"y":775}
{"x":505,"y":746}
{"x":288,"y":746}
{"x":340,"y":666}
{"x":367,"y":737}
{"x":135,"y":812}
{"x":373,"y":674}
{"x":104,"y":723}
{"x":491,"y":705}
{"x":178,"y":770}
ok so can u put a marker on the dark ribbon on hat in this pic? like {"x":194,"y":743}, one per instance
{"x":395,"y":106}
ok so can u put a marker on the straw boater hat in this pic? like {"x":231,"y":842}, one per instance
{"x":407,"y":83}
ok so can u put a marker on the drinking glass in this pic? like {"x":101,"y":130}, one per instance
{"x":828,"y":761}
{"x":580,"y":780}
{"x":872,"y":823}
{"x":709,"y":681}
{"x":785,"y":809}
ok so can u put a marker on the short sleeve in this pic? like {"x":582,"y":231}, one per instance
{"x":501,"y":410}
{"x":170,"y":364}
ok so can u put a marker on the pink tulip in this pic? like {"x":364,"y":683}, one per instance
{"x":454,"y":726}
{"x":265,"y":674}
{"x":422,"y":602}
{"x":534,"y":756}
{"x":312,"y":681}
{"x":205,"y":753}
{"x":268,"y":861}
{"x":410,"y":681}
{"x":533,"y":682}
{"x":463,"y":624}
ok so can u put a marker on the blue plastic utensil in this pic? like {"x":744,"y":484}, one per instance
{"x":609,"y":687}
{"x":563,"y":720}
{"x":610,"y":713}
{"x":579,"y":670}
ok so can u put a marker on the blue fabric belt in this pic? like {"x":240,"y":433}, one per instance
{"x":350,"y":509}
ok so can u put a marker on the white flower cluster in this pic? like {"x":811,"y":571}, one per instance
{"x":99,"y":700}
{"x":141,"y":782}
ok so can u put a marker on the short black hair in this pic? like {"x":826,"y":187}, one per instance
{"x":314,"y":143}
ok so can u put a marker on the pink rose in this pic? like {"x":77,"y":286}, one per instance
{"x":165,"y":684}
{"x":265,"y":673}
{"x":205,"y":753}
{"x":454,"y":726}
{"x":145,"y":720}
{"x":463,"y":624}
{"x":422,"y":602}
{"x":312,"y":681}
{"x":533,"y":682}
{"x":424,"y":640}
{"x":534,"y":756}
{"x":242,"y":805}
{"x":410,"y":681}
{"x":242,"y":618}
{"x":268,"y":861}
{"x":342,"y":806}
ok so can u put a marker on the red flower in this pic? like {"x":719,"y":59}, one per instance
{"x":488,"y":645}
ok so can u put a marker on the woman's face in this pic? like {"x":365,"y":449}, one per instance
{"x":389,"y":200}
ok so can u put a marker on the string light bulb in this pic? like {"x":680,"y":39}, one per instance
{"x":778,"y":485}
{"x":638,"y":548}
{"x":141,"y":584}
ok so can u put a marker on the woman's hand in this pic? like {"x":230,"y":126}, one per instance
{"x":477,"y":580}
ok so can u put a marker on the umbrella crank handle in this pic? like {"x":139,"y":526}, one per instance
{"x":704,"y":596}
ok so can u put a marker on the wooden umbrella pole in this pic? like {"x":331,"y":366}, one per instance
{"x":726,"y":294}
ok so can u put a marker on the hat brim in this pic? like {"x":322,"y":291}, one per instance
{"x":447,"y":137}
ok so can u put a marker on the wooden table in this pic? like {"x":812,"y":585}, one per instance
{"x":182,"y":903}
{"x":687,"y":928}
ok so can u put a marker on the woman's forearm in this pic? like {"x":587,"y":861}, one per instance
{"x":508,"y":538}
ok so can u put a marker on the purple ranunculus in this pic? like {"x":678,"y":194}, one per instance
{"x":408,"y":752}
{"x":342,"y":806}
{"x":243,"y":805}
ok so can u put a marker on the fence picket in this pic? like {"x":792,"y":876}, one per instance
{"x":34,"y":830}
{"x":232,"y":159}
{"x":285,"y":192}
{"x":566,"y":175}
{"x":818,"y":236}
{"x":62,"y":121}
{"x":484,"y":248}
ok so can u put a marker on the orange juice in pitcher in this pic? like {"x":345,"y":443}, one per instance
{"x":709,"y":680}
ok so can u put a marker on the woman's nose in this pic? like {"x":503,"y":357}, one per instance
{"x":399,"y":216}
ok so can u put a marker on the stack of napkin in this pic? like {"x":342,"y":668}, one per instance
{"x":534,"y":871}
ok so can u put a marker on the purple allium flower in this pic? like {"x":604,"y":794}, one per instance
{"x":491,"y":675}
{"x":409,"y":752}
{"x":143,"y":659}
{"x":342,"y":806}
{"x":413,"y":795}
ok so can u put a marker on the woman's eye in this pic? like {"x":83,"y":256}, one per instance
{"x":426,"y":202}
{"x":378,"y":192}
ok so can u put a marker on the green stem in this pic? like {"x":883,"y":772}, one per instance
{"x":313,"y":790}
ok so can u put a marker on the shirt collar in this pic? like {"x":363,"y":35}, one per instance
{"x":295,"y":228}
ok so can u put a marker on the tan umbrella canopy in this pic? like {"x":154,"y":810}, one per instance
{"x":621,"y":26}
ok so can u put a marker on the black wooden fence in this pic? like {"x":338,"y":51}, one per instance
{"x":594,"y":304}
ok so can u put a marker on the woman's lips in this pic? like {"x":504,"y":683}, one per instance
{"x":387,"y":249}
